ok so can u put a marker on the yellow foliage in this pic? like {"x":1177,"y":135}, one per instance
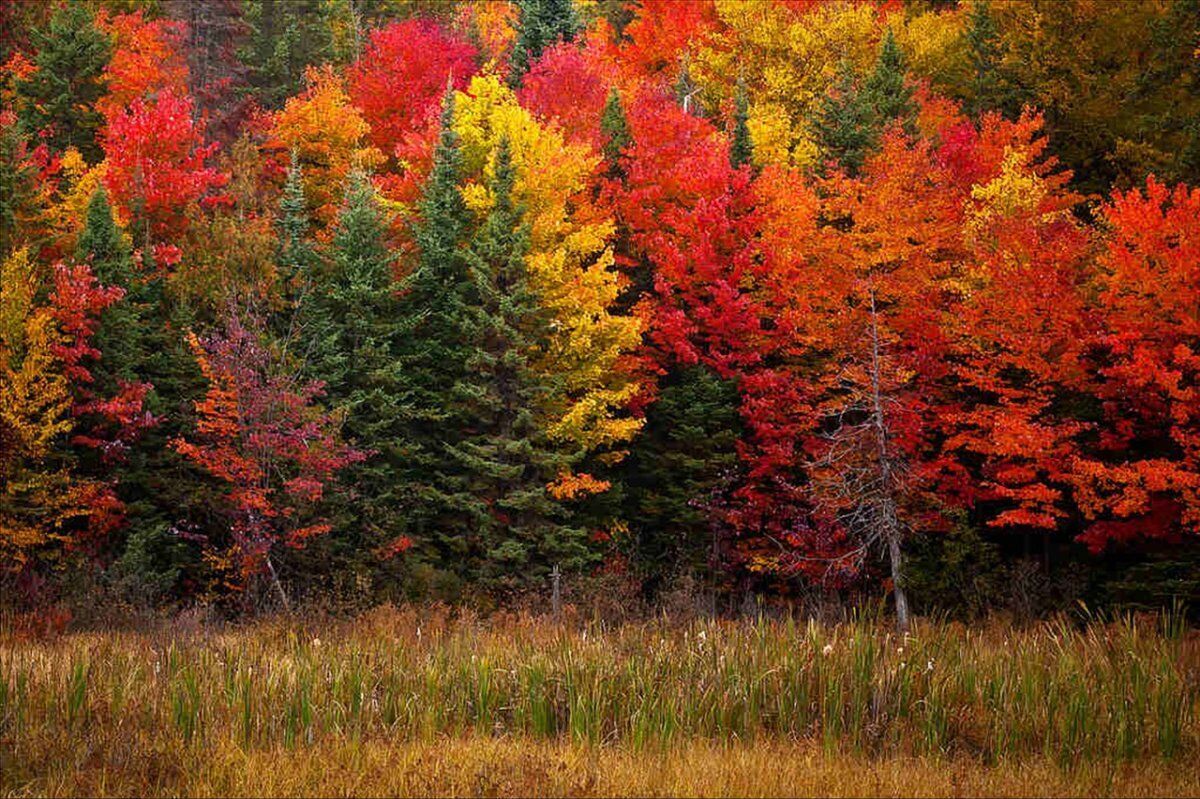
{"x":787,"y":60}
{"x":1015,"y":190}
{"x":328,"y":136}
{"x":934,"y":44}
{"x":79,"y":183}
{"x":570,"y":261}
{"x":35,"y":411}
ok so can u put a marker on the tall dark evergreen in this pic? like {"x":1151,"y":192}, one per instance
{"x":686,"y":450}
{"x":286,"y":36}
{"x":540,"y":24}
{"x":843,"y":125}
{"x":741,"y":151}
{"x":983,"y":52}
{"x":886,"y":89}
{"x":298,"y":259}
{"x":614,"y":131}
{"x":506,"y":454}
{"x":350,"y":319}
{"x":23,"y":215}
{"x":60,"y":96}
{"x":438,"y":297}
{"x":139,"y":346}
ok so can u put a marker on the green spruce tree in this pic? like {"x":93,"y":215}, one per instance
{"x":298,"y":262}
{"x":886,"y":90}
{"x":138,"y":347}
{"x":684,"y":454}
{"x":541,"y":24}
{"x":352,"y":325}
{"x":60,"y":96}
{"x":437,"y":301}
{"x":843,"y":125}
{"x":506,"y":453}
{"x":983,"y":52}
{"x":741,"y":151}
{"x":286,"y":36}
{"x":614,"y":131}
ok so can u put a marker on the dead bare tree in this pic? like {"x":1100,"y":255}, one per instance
{"x":862,"y":476}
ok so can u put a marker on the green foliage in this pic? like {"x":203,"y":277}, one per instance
{"x":983,"y":52}
{"x":614,"y":130}
{"x":959,"y":573}
{"x":21,"y":208}
{"x":353,"y":328}
{"x":686,"y":449}
{"x":843,"y":126}
{"x":740,"y":149}
{"x":886,"y":90}
{"x":61,"y":95}
{"x":286,"y":36}
{"x":437,"y":297}
{"x":506,"y":454}
{"x":542,"y":23}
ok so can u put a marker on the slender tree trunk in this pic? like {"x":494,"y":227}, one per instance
{"x":287,"y":606}
{"x":889,"y":520}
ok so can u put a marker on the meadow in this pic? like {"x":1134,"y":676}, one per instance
{"x":418,"y":701}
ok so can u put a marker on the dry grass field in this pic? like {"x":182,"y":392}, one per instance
{"x":423,"y":701}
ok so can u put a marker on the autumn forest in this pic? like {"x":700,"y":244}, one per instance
{"x":599,"y":397}
{"x":773,"y":302}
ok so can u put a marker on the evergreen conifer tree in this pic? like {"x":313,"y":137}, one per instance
{"x":286,"y":36}
{"x":614,"y":130}
{"x":137,"y":346}
{"x":886,"y":91}
{"x":843,"y":123}
{"x":983,"y":51}
{"x":352,"y":322}
{"x":740,"y":149}
{"x":506,"y":453}
{"x":437,"y":301}
{"x":541,"y":23}
{"x":60,"y":96}
{"x":685,"y":451}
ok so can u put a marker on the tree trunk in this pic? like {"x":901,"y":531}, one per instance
{"x":901,"y":598}
{"x":889,"y":521}
{"x":287,"y":606}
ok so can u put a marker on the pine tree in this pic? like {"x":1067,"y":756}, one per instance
{"x":844,"y":123}
{"x":437,"y":298}
{"x":61,"y":95}
{"x":614,"y":130}
{"x":740,"y":149}
{"x":682,"y":457}
{"x":542,"y":23}
{"x":351,"y":320}
{"x":507,"y":455}
{"x":983,"y":51}
{"x":286,"y":36}
{"x":138,"y":348}
{"x":886,"y":90}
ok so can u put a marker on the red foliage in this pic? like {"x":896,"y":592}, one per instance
{"x":566,"y":85}
{"x":1143,"y":481}
{"x":147,"y":59}
{"x":261,"y":434}
{"x":403,"y":73}
{"x":156,"y":163}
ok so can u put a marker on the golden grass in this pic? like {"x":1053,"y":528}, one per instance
{"x":485,"y":766}
{"x":419,"y":701}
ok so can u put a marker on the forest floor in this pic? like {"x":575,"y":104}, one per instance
{"x":421,"y":701}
